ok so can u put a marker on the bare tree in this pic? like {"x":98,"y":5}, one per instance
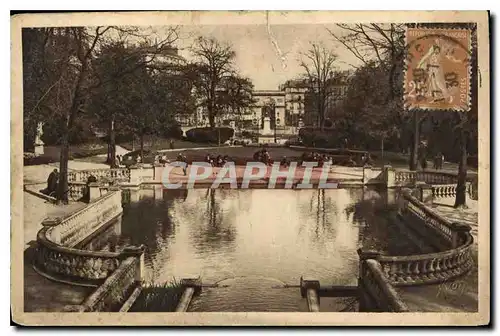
{"x":383,"y":45}
{"x":214,"y":63}
{"x":318,"y":63}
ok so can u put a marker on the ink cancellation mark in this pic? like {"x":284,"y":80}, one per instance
{"x":438,"y":69}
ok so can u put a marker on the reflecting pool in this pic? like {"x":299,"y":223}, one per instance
{"x":253,"y":242}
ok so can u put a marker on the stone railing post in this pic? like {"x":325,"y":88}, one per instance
{"x":424,"y":192}
{"x":363,"y":296}
{"x":135,"y":174}
{"x":309,"y":289}
{"x":459,"y":230}
{"x":55,"y":234}
{"x":364,"y":255}
{"x":94,"y":191}
{"x":190,"y":288}
{"x":158,"y":171}
{"x":390,"y":176}
{"x":136,"y":252}
{"x":367,"y":174}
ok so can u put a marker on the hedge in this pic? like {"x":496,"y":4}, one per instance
{"x":209,"y":135}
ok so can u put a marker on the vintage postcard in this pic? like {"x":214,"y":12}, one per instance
{"x":251,"y":168}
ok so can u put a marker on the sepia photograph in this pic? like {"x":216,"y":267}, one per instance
{"x":251,"y":163}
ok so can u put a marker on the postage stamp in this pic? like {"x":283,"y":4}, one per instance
{"x":438,"y":69}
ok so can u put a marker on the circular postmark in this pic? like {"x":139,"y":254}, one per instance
{"x":438,"y":69}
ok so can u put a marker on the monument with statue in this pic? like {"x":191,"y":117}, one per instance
{"x":39,"y":144}
{"x":266,"y":132}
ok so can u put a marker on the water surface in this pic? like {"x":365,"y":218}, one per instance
{"x":253,"y":242}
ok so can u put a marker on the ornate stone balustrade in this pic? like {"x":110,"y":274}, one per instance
{"x":376,"y":294}
{"x":73,"y":265}
{"x":448,"y":190}
{"x":115,"y":174}
{"x":77,"y":190}
{"x":57,"y":256}
{"x":72,"y":229}
{"x":453,"y":261}
{"x":433,"y":177}
{"x":405,"y":178}
{"x":428,"y":268}
{"x":414,"y":209}
{"x":409,"y":178}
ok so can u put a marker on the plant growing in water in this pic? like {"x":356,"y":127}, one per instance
{"x":158,"y":297}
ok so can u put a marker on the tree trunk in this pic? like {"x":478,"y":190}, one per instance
{"x":142,"y":147}
{"x":460,"y":199}
{"x":63,"y":190}
{"x":62,"y":194}
{"x":382,"y":150}
{"x":416,"y":138}
{"x":112,"y":144}
{"x":211,"y":119}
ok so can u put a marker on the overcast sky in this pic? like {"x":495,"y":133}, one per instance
{"x":257,"y":56}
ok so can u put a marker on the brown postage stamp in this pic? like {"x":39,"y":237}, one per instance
{"x":250,"y":168}
{"x":438,"y":74}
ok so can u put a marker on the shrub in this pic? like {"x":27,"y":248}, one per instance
{"x":174,"y":131}
{"x":208,"y":135}
{"x":310,"y":137}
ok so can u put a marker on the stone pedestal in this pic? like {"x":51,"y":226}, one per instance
{"x":135,"y":174}
{"x":136,"y":252}
{"x":390,"y":176}
{"x":158,"y":171}
{"x":39,"y":144}
{"x":266,"y":127}
{"x":367,"y":174}
{"x":134,"y":195}
{"x":39,"y":148}
{"x":459,"y":230}
{"x":423,"y":192}
{"x":158,"y":190}
{"x":94,"y":191}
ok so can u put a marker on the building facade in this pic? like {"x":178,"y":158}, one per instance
{"x":290,"y":107}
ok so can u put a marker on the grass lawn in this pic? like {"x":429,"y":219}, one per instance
{"x":53,"y":153}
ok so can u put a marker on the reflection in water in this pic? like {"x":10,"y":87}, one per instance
{"x":254,"y":234}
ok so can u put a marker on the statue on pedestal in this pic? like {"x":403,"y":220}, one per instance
{"x":39,"y":149}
